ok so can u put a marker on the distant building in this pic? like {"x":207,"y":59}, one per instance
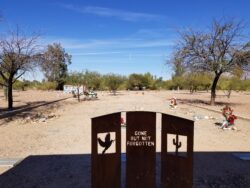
{"x":71,"y":89}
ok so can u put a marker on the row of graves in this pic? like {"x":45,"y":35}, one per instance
{"x":80,"y":90}
{"x":228,"y":122}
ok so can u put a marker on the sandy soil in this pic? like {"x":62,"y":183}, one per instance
{"x":68,"y":137}
{"x":22,"y":99}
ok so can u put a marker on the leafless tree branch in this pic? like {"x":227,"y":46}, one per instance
{"x":219,"y":50}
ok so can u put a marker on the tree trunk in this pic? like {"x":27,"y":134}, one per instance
{"x":213,"y":89}
{"x":5,"y":90}
{"x":10,"y":96}
{"x":191,"y":90}
{"x":59,"y":85}
{"x":78,"y":94}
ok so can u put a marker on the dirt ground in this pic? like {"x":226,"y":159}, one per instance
{"x":58,"y":135}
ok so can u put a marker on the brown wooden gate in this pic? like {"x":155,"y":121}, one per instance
{"x":176,"y":165}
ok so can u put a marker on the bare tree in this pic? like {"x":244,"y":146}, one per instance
{"x":219,"y":50}
{"x":18,"y":53}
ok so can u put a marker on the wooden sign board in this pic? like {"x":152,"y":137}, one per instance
{"x":140,"y":148}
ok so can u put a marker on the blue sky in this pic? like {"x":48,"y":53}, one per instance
{"x":117,"y":36}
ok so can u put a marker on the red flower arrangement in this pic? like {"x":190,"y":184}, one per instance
{"x":173,"y":102}
{"x":227,"y":112}
{"x":231,"y":119}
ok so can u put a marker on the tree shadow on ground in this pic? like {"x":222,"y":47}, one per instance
{"x":26,"y":110}
{"x":116,"y":94}
{"x":205,"y":102}
{"x":211,"y":169}
{"x":187,"y":92}
{"x":29,"y":104}
{"x":217,"y":123}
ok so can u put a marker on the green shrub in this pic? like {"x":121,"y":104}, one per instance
{"x":47,"y":86}
{"x":19,"y":85}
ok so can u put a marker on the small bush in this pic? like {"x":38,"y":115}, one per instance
{"x":47,"y":86}
{"x":19,"y":85}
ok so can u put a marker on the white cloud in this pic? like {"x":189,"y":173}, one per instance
{"x":108,"y":12}
{"x":120,"y":54}
{"x":118,"y":43}
{"x":155,"y":32}
{"x":96,"y":53}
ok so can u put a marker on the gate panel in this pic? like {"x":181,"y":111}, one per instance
{"x":177,"y":167}
{"x":106,"y":166}
{"x":141,"y":148}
